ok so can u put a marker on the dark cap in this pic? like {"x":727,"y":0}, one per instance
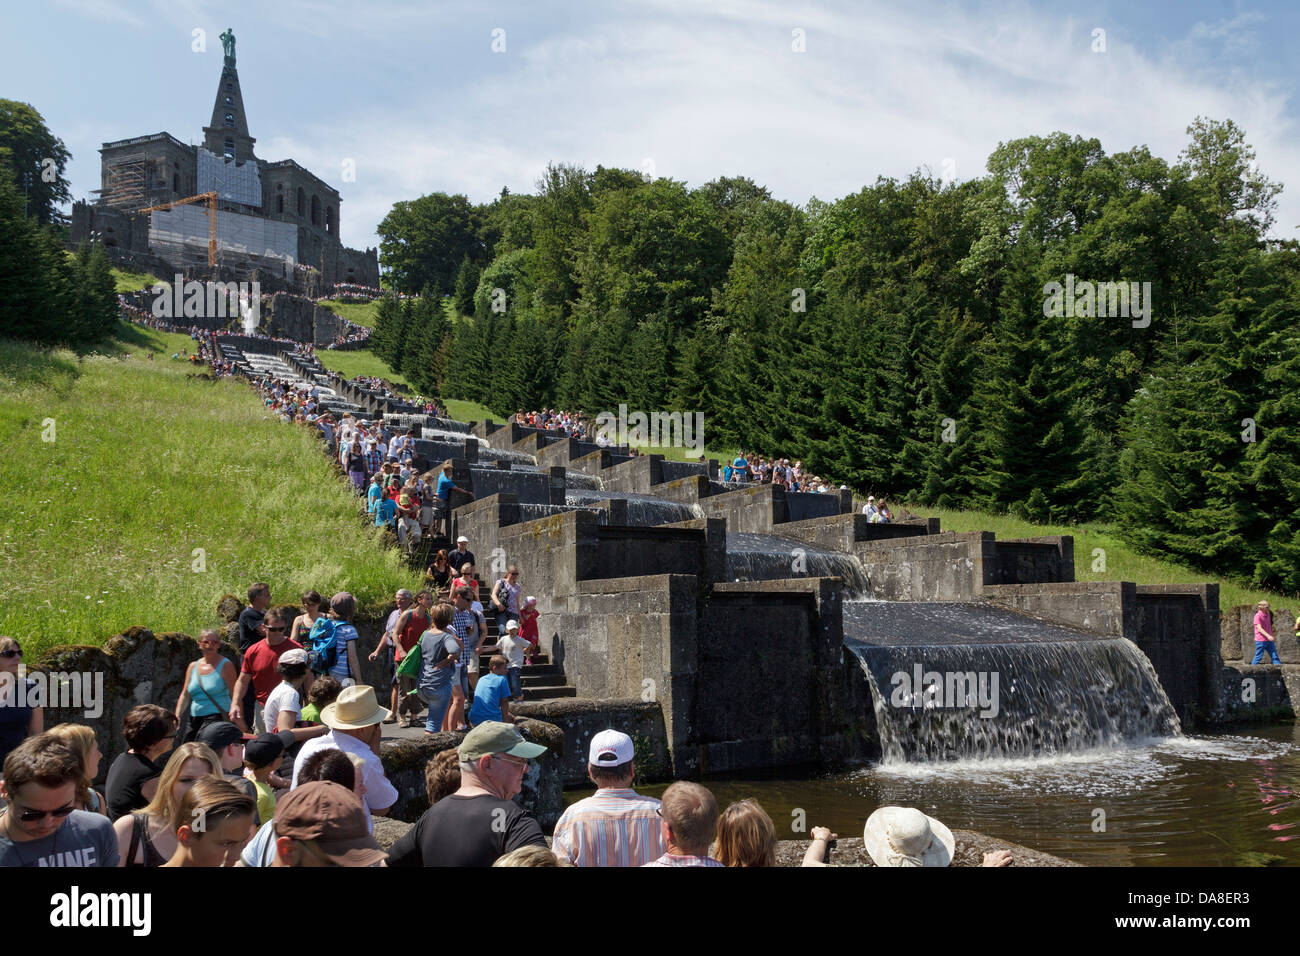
{"x":331,"y":815}
{"x":221,"y":735}
{"x":265,"y":748}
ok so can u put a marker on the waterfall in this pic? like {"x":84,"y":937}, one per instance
{"x":487,"y":453}
{"x":531,"y":512}
{"x":576,"y":479}
{"x":643,"y":511}
{"x":767,"y":557}
{"x":967,"y":681}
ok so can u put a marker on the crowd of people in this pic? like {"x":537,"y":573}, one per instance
{"x":308,"y":794}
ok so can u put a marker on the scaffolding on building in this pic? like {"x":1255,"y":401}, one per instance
{"x":210,"y":198}
{"x":125,"y":182}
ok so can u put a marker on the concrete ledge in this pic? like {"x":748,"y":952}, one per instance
{"x":579,"y":720}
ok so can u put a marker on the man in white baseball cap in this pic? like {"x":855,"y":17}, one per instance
{"x":616,"y":826}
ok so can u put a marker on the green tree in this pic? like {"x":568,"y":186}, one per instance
{"x":28,"y":146}
{"x":422,"y":242}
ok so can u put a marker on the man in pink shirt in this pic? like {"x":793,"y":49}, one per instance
{"x":1264,"y":635}
{"x":617,"y":826}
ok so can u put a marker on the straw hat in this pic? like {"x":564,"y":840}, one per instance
{"x":354,"y":708}
{"x":901,"y":836}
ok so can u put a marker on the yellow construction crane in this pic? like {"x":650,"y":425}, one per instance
{"x":211,"y":200}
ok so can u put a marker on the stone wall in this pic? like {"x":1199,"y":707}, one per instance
{"x":581,"y":719}
{"x":1033,"y":560}
{"x":1176,"y":626}
{"x":941,"y":567}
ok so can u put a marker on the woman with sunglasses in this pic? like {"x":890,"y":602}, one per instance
{"x":207,"y":686}
{"x":311,"y":613}
{"x":146,"y":838}
{"x":18,"y":719}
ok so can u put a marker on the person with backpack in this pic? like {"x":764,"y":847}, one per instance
{"x":333,"y":648}
{"x":260,"y":667}
{"x":505,"y":597}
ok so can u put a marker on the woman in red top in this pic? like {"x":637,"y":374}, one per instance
{"x":408,"y":630}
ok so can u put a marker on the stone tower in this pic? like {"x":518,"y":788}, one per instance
{"x":227,"y":133}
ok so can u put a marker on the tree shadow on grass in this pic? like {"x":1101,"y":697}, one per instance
{"x":23,"y":364}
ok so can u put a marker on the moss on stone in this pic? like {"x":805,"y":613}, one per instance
{"x":229,"y":608}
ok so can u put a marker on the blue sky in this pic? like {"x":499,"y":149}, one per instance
{"x":415,"y":96}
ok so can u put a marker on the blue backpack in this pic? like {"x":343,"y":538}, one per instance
{"x":322,"y":646}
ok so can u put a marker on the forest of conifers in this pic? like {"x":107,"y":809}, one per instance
{"x":896,"y":339}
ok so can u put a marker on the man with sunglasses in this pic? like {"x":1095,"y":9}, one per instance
{"x":259,"y":668}
{"x":480,"y":822}
{"x":40,"y":826}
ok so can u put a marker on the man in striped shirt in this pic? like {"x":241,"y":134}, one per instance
{"x":617,"y":826}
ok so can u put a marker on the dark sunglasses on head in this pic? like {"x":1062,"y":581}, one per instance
{"x":31,"y":816}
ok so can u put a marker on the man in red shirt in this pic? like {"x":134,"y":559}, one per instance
{"x":260,"y":662}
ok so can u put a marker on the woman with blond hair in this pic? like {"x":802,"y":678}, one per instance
{"x":146,"y":838}
{"x":84,"y":742}
{"x":746,"y":836}
{"x":211,"y":824}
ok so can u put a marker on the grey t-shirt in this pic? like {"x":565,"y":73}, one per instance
{"x":85,"y":839}
{"x":436,"y":678}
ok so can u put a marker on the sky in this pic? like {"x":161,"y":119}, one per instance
{"x":808,"y":99}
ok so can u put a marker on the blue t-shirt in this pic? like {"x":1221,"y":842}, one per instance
{"x":373,"y":496}
{"x":385,"y":512}
{"x":490,"y":691}
{"x":342,"y":634}
{"x":445,"y":485}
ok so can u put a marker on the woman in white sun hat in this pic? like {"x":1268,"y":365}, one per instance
{"x":904,"y":837}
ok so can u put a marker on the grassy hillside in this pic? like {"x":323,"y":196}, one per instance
{"x":148,"y":464}
{"x":359,"y":313}
{"x":361,"y":362}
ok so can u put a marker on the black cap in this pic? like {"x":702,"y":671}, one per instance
{"x":221,"y":735}
{"x":265,"y":748}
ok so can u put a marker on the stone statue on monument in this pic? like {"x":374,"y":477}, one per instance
{"x":228,"y":44}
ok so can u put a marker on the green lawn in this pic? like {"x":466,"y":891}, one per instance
{"x":140,"y":493}
{"x":127,"y":281}
{"x":358,"y":313}
{"x":1094,"y":542}
{"x":361,"y":362}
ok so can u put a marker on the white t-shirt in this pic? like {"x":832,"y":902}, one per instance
{"x":282,"y":697}
{"x":513,"y":648}
{"x":380,"y":793}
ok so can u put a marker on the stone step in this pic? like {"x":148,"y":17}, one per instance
{"x":541,"y":680}
{"x":549,"y":693}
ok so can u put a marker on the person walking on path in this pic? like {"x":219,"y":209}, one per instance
{"x":1264,"y":639}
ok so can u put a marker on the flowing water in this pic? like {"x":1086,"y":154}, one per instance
{"x":487,"y":453}
{"x":970,"y":681}
{"x":1216,"y":800}
{"x":530,"y":487}
{"x":642,"y":510}
{"x":584,"y":482}
{"x":767,"y":557}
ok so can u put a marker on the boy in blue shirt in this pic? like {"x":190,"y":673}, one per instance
{"x":491,"y":693}
{"x":386,"y":514}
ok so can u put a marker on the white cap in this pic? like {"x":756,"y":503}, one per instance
{"x":530,"y":600}
{"x":462,"y":538}
{"x":512,"y":625}
{"x":609,"y":748}
{"x":294,"y":655}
